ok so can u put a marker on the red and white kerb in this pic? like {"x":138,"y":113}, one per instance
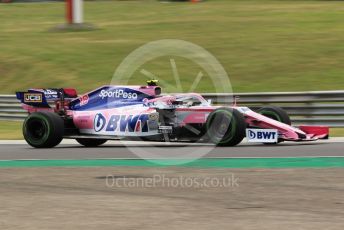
{"x":74,"y":11}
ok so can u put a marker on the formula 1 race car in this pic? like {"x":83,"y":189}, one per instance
{"x":142,"y":112}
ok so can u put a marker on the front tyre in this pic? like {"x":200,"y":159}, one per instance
{"x":89,"y":142}
{"x":43,"y":129}
{"x":275,"y":113}
{"x":225,"y":127}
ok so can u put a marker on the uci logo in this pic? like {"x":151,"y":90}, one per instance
{"x":99,"y":122}
{"x":32,"y":97}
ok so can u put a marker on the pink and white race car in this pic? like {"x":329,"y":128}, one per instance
{"x":141,"y":112}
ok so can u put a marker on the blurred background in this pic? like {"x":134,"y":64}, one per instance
{"x":263,"y":45}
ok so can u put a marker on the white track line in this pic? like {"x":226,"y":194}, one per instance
{"x":154,"y":159}
{"x":133,"y":143}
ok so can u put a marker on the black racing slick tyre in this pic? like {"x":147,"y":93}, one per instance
{"x":89,"y":142}
{"x":275,"y":113}
{"x":43,"y":129}
{"x":225,"y":127}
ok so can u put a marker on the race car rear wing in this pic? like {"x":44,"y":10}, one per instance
{"x":41,"y":97}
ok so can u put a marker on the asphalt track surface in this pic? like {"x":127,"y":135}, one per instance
{"x":119,"y":150}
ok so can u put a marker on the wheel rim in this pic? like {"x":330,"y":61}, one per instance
{"x":221,"y":127}
{"x":37,"y":130}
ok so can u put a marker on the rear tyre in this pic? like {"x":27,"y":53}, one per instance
{"x":43,"y":129}
{"x":89,"y":142}
{"x":225,"y":127}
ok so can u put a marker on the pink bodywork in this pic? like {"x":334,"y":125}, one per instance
{"x":84,"y":120}
{"x":286,"y":132}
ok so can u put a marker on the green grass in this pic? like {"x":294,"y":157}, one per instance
{"x":263,"y":45}
{"x":337,"y":132}
{"x":11,"y":130}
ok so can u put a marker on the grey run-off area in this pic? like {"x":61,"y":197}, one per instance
{"x":69,"y":149}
